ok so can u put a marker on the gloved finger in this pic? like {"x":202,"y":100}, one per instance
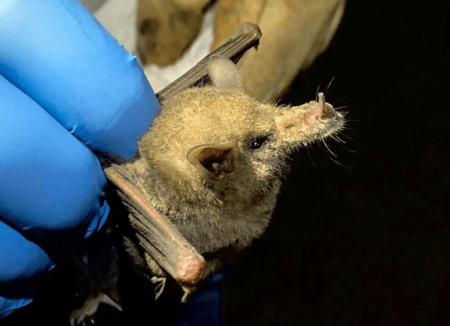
{"x":20,"y":261}
{"x":9,"y":305}
{"x":57,"y":53}
{"x":50,"y":182}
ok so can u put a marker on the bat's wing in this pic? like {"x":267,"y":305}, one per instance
{"x":157,"y":236}
{"x":243,"y":39}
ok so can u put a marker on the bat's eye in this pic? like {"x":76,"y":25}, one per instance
{"x":257,"y":142}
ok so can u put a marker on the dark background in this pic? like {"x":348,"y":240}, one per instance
{"x":364,"y":241}
{"x":368,"y":242}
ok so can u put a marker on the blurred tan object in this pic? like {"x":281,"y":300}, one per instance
{"x":295,"y":32}
{"x":166,"y":28}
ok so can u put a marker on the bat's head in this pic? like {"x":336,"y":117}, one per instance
{"x":219,"y":147}
{"x":218,"y":130}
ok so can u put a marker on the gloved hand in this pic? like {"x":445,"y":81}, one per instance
{"x":66,"y":88}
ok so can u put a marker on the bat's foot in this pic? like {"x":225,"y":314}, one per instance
{"x":83,"y":316}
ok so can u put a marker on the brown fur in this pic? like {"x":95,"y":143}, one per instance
{"x":200,"y":164}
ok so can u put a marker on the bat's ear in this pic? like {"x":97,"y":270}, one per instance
{"x":223,"y":72}
{"x":217,"y":159}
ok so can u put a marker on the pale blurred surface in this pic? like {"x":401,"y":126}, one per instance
{"x":118,"y":17}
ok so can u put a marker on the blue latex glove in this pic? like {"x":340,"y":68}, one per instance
{"x":66,"y":87}
{"x":204,"y":307}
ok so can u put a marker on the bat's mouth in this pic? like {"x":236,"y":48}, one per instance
{"x":309,"y":122}
{"x":320,"y":112}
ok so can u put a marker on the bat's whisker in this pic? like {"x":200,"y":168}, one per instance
{"x":323,"y":140}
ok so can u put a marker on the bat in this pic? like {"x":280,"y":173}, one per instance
{"x":156,"y":234}
{"x":205,"y":180}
